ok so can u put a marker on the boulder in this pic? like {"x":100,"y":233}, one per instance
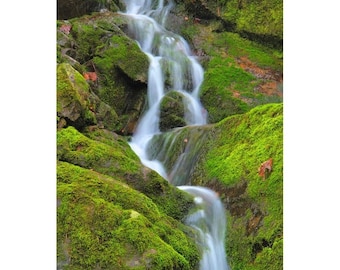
{"x":172,"y":111}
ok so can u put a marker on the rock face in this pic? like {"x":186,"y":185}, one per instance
{"x":73,"y":105}
{"x":96,"y":45}
{"x":67,"y":9}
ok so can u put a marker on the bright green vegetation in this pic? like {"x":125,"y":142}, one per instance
{"x":113,"y":62}
{"x":76,"y":148}
{"x":226,"y":157}
{"x":247,"y":139}
{"x":109,"y":154}
{"x":263,"y":17}
{"x":70,"y":90}
{"x":258,"y":20}
{"x":236,"y":46}
{"x":105,"y":224}
{"x":115,"y":214}
{"x":234,"y":68}
{"x":241,"y":143}
{"x":221,"y":78}
{"x":118,"y":53}
{"x":229,"y":89}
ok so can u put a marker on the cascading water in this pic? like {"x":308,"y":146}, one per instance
{"x":174,"y":68}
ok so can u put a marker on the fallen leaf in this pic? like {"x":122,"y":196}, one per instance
{"x":90,"y":76}
{"x":265,"y":168}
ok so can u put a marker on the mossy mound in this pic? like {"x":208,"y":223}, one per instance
{"x":263,"y":18}
{"x":113,"y":213}
{"x":227,"y":157}
{"x":105,"y":224}
{"x":238,"y":147}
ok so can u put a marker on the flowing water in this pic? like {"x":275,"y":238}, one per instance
{"x":174,"y":68}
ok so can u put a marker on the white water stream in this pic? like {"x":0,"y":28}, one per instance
{"x":174,"y":68}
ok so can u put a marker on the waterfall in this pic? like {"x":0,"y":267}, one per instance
{"x":174,"y":68}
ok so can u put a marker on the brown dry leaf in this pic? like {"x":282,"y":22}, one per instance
{"x":265,"y":168}
{"x":90,"y":76}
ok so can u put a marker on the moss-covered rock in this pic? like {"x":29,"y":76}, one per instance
{"x":226,"y":157}
{"x":172,"y":111}
{"x":240,"y":75}
{"x":105,"y":224}
{"x":73,"y":104}
{"x":237,"y":147}
{"x":113,"y":213}
{"x":108,"y":153}
{"x":261,"y":21}
{"x":97,"y":44}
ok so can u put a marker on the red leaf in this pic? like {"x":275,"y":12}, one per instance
{"x":90,"y":76}
{"x":265,"y":168}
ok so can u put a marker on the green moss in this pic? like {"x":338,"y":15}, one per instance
{"x":236,"y":148}
{"x":222,"y":77}
{"x":120,"y":50}
{"x":118,"y":75}
{"x":71,"y":86}
{"x":88,"y":38}
{"x":172,"y":111}
{"x":103,"y":223}
{"x":261,"y":17}
{"x":104,"y":152}
{"x":228,"y":89}
{"x":237,"y":46}
{"x":73,"y":97}
{"x":76,"y":148}
{"x":270,"y":256}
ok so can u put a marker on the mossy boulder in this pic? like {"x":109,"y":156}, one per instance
{"x":105,"y":224}
{"x":113,"y":213}
{"x":73,"y":103}
{"x":172,"y":111}
{"x":237,"y":148}
{"x":97,"y":44}
{"x":76,"y":105}
{"x":108,"y":153}
{"x":227,"y":157}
